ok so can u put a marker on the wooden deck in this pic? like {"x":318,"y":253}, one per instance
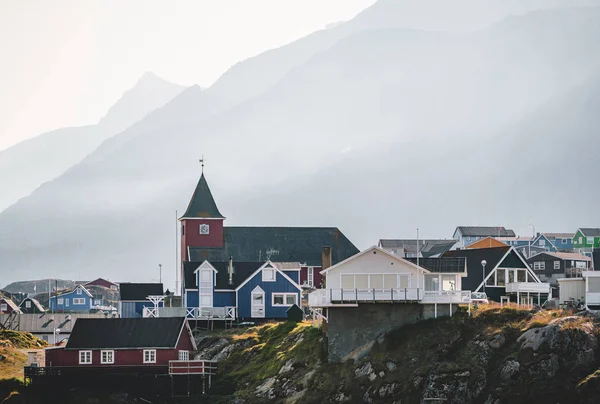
{"x":193,"y":367}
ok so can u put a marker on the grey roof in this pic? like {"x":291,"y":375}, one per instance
{"x":119,"y":333}
{"x":553,"y":236}
{"x":485,"y":231}
{"x":45,"y":323}
{"x":590,"y":232}
{"x":428,"y":248}
{"x":282,"y":244}
{"x":446,"y":265}
{"x":202,"y":204}
{"x":37,"y":305}
{"x":139,"y":291}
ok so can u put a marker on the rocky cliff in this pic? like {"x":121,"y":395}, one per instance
{"x":496,"y":356}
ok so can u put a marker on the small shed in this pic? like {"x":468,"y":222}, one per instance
{"x":571,"y":288}
{"x":295,"y":314}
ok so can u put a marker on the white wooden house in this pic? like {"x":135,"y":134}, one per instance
{"x":378,"y":276}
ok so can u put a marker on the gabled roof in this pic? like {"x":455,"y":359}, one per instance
{"x":37,"y":304}
{"x":427,"y":248}
{"x":202,"y":204}
{"x":282,"y":244}
{"x":442,"y":265}
{"x":476,"y":255}
{"x":590,"y":232}
{"x":10,"y":303}
{"x":375,"y":249}
{"x":288,"y":266}
{"x":66,"y":292}
{"x":121,"y":333}
{"x":561,"y":256}
{"x":47,"y":322}
{"x":488,"y":242}
{"x":484,"y":231}
{"x":139,"y":291}
{"x":102,"y":280}
{"x":241,"y":272}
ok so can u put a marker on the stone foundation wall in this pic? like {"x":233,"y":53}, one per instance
{"x":349,"y":328}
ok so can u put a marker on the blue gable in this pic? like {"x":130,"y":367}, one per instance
{"x":280,"y":285}
{"x":224,"y":299}
{"x":543,"y":242}
{"x":294,"y":275}
{"x":71,"y":301}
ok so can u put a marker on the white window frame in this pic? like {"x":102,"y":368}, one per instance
{"x":79,"y":291}
{"x":97,"y":302}
{"x":60,"y":301}
{"x":556,"y":264}
{"x":110,"y":357}
{"x":184,"y":355}
{"x":3,"y":306}
{"x":539,"y":265}
{"x":149,"y":355}
{"x":310,"y":276}
{"x":590,"y":240}
{"x":542,"y":243}
{"x":564,"y":241}
{"x":28,"y":304}
{"x":78,"y":301}
{"x":284,"y":296}
{"x":265,"y":279}
{"x":85,"y":357}
{"x":67,"y":302}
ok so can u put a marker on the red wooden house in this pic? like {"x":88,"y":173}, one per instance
{"x":125,"y":345}
{"x":7,"y":306}
{"x":103,"y":282}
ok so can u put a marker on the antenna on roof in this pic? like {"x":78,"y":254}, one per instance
{"x":202,"y":163}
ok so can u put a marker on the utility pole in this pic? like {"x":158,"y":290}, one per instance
{"x":160,"y":273}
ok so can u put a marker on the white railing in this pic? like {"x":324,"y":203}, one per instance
{"x":224,"y":313}
{"x":193,"y":367}
{"x":331,"y":297}
{"x":524,"y":287}
{"x":447,"y":296}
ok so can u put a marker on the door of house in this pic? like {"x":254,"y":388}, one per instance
{"x":257,"y":303}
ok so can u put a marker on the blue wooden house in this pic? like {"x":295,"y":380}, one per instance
{"x":75,"y":300}
{"x":562,"y":242}
{"x":133,"y":298}
{"x":243,"y":290}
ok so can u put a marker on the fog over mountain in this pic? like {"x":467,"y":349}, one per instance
{"x":29,"y":164}
{"x":397,"y":119}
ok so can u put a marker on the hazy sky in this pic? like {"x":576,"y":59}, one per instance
{"x":64,"y":63}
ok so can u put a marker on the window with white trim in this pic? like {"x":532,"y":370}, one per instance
{"x":542,"y":243}
{"x":85,"y":357}
{"x":580,"y":240}
{"x":107,"y":357}
{"x":184,"y":355}
{"x":590,"y":240}
{"x":28,"y":304}
{"x":539,"y":266}
{"x":149,"y":355}
{"x":67,"y":302}
{"x":284,"y":299}
{"x":564,"y":241}
{"x":79,"y":291}
{"x":61,"y":301}
{"x":556,"y":264}
{"x":581,"y":264}
{"x":97,"y":302}
{"x":3,"y":307}
{"x":78,"y":300}
{"x":204,"y":228}
{"x":268,"y":275}
{"x":310,"y":279}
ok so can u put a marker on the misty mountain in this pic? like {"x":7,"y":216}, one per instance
{"x":29,"y":164}
{"x":378,"y":133}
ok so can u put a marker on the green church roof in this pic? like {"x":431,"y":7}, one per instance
{"x":202,"y":204}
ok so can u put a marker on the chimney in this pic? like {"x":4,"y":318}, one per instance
{"x":326,"y":257}
{"x":230,"y":270}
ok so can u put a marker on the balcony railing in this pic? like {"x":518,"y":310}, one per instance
{"x":527,"y":287}
{"x":333,"y":297}
{"x":215,"y":313}
{"x":199,"y":367}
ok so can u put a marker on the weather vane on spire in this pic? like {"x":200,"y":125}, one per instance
{"x":202,"y":162}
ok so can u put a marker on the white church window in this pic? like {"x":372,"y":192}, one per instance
{"x":204,"y":229}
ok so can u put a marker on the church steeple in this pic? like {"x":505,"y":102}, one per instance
{"x":202,"y":205}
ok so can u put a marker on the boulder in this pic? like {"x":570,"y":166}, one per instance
{"x":509,"y":370}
